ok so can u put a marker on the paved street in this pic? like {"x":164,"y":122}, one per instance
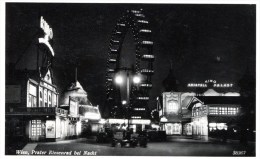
{"x":172,"y":147}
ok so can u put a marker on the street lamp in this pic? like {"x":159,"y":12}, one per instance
{"x":124,"y":102}
{"x":136,"y":79}
{"x":119,"y":80}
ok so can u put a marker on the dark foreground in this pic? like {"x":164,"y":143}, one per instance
{"x":174,"y":146}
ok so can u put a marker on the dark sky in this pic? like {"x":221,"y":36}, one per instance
{"x":192,"y":35}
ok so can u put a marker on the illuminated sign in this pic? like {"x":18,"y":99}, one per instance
{"x":74,"y":109}
{"x":92,"y":116}
{"x":140,"y":121}
{"x":210,"y":81}
{"x":50,"y":129}
{"x":91,"y":112}
{"x":58,"y":127}
{"x":117,"y":121}
{"x":132,"y":121}
{"x":46,"y":28}
{"x":48,"y":34}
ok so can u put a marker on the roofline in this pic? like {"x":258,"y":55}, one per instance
{"x":193,"y":98}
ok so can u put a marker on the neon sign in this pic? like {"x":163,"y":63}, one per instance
{"x":46,"y":28}
{"x":210,"y":81}
{"x":48,"y":34}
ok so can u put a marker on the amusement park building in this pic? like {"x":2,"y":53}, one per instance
{"x":86,"y":115}
{"x":183,"y":113}
{"x":32,"y":108}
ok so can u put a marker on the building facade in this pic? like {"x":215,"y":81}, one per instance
{"x":32,"y":112}
{"x":183,"y":113}
{"x":86,"y":116}
{"x":214,"y":115}
{"x":175,"y":119}
{"x":37,"y":115}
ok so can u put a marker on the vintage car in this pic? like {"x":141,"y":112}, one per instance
{"x":117,"y":138}
{"x":141,"y":139}
{"x":128,"y":139}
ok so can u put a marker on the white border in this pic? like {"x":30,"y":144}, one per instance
{"x":2,"y":61}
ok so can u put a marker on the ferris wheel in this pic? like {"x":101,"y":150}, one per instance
{"x":136,"y":22}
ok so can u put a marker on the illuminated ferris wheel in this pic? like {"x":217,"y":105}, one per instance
{"x":136,"y":22}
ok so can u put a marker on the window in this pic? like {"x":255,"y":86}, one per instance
{"x":32,"y":96}
{"x":30,"y":101}
{"x":54,"y":98}
{"x":136,"y":117}
{"x":213,"y":110}
{"x":49,"y":99}
{"x":34,"y":101}
{"x":41,"y":97}
{"x":32,"y":89}
{"x":232,"y":111}
{"x":217,"y":126}
{"x":204,"y":110}
{"x":223,"y":110}
{"x":172,"y":106}
{"x":36,"y":127}
{"x":45,"y":98}
{"x":194,"y":112}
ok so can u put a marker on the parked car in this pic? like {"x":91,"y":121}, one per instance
{"x":117,"y":138}
{"x":129,"y":139}
{"x":142,"y":139}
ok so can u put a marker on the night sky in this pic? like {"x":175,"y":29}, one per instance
{"x":192,"y":36}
